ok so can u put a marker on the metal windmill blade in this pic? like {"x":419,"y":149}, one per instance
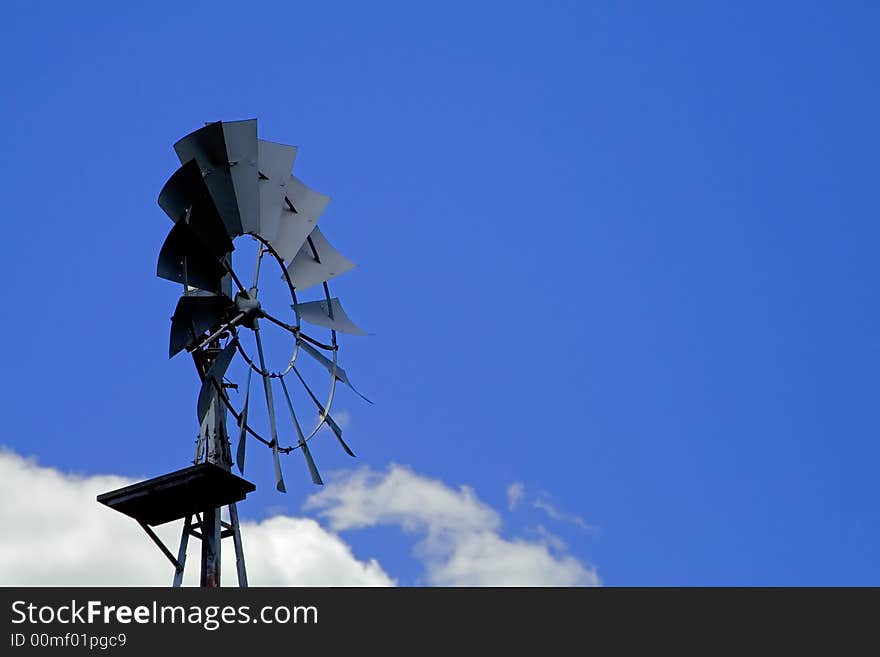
{"x":227,"y":156}
{"x":335,"y":428}
{"x":330,"y":366}
{"x":317,"y":262}
{"x":185,"y":259}
{"x":274,"y":162}
{"x":301,"y":209}
{"x":194,"y":316}
{"x":329,"y":314}
{"x":242,"y":426}
{"x":186,"y":198}
{"x":310,"y":462}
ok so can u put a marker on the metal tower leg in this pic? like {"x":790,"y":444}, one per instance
{"x":201,"y":528}
{"x":211,"y":529}
{"x":181,"y":553}
{"x":239,"y":550}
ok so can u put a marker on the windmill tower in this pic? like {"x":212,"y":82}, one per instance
{"x":232,"y":187}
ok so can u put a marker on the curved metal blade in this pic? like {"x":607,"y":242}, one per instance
{"x":301,"y":209}
{"x":185,"y":259}
{"x":193,"y":316}
{"x":337,"y":431}
{"x":243,"y":152}
{"x":329,"y":315}
{"x":328,"y":365}
{"x":306,"y":200}
{"x":182,"y":190}
{"x":274,"y":162}
{"x":185,"y":197}
{"x":242,"y":423}
{"x":227,"y":156}
{"x":317,"y":262}
{"x":292,"y":232}
{"x":214,"y":379}
{"x":310,"y":462}
{"x":270,"y":406}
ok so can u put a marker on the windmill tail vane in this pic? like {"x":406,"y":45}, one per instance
{"x":232,"y":187}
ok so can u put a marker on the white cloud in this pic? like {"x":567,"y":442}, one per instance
{"x":460,"y":541}
{"x":543,"y":505}
{"x":515,"y":493}
{"x":486,"y":559}
{"x":55,"y":533}
{"x":551,"y":539}
{"x":365,"y":498}
{"x":285,"y":551}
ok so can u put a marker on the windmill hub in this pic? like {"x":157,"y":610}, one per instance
{"x":248,"y":305}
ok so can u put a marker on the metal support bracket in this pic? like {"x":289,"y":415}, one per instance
{"x":178,"y":567}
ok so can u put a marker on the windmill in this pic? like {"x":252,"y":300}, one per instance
{"x":232,"y":188}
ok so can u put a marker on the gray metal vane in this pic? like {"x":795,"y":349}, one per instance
{"x":310,"y":462}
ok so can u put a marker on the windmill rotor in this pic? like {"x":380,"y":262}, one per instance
{"x":232,"y":186}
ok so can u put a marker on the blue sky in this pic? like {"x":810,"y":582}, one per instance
{"x":621,"y":253}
